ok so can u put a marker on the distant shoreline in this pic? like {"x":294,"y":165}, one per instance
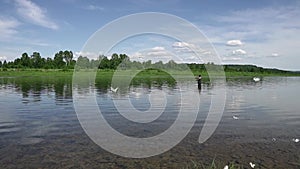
{"x":63,"y":62}
{"x":147,"y":72}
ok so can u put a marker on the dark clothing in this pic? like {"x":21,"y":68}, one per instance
{"x":199,"y":83}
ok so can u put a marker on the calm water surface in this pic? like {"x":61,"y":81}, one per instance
{"x":39,"y":127}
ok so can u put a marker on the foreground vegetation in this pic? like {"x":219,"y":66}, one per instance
{"x":145,"y":73}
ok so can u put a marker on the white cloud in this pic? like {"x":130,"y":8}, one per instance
{"x":239,"y":52}
{"x":157,"y":51}
{"x":234,"y":43}
{"x":274,"y":55}
{"x":231,"y":58}
{"x":89,"y":55}
{"x":94,"y":8}
{"x":158,"y":48}
{"x":235,"y":55}
{"x":136,"y":56}
{"x":2,"y":58}
{"x":155,"y":54}
{"x":194,"y":52}
{"x":183,"y":45}
{"x":275,"y":28}
{"x":8,"y":28}
{"x":34,"y":14}
{"x":160,"y":53}
{"x":42,"y":44}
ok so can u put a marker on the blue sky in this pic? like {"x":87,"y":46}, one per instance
{"x":264,"y":33}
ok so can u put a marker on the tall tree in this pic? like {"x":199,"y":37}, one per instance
{"x":147,"y":64}
{"x":124,"y":61}
{"x":68,"y":56}
{"x":48,"y":63}
{"x":115,"y":61}
{"x":83,"y":62}
{"x":17,"y":63}
{"x":59,"y":60}
{"x":4,"y":64}
{"x":124,"y":57}
{"x":25,"y":60}
{"x":104,"y":63}
{"x":37,"y":60}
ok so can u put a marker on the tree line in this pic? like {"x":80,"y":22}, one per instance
{"x":122,"y":61}
{"x":65,"y":60}
{"x":61,"y":60}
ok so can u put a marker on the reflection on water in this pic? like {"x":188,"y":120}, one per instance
{"x":39,"y":128}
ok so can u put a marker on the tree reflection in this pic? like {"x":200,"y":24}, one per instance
{"x":36,"y":88}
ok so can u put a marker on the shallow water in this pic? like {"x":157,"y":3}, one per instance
{"x":39,"y":127}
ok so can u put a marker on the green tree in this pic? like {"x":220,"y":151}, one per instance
{"x":36,"y":59}
{"x":136,"y":65}
{"x":159,"y":65}
{"x":94,"y":64}
{"x":124,"y":61}
{"x":68,"y":56}
{"x":25,"y":60}
{"x":115,"y":61}
{"x":17,"y":63}
{"x":49,"y":63}
{"x":147,"y":64}
{"x":124,"y":57}
{"x":72,"y":64}
{"x":59,"y":60}
{"x":171,"y":64}
{"x":104,"y":63}
{"x":83,"y":62}
{"x":4,"y":64}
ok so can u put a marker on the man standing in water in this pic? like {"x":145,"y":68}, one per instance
{"x":199,"y":81}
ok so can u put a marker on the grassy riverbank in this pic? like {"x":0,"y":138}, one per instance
{"x":145,"y":73}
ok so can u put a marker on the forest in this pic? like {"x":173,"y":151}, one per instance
{"x":64,"y":60}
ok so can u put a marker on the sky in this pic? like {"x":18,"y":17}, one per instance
{"x":260,"y":32}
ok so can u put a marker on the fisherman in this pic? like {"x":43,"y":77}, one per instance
{"x":199,"y":81}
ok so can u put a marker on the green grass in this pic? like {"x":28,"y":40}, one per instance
{"x":145,"y":73}
{"x":253,"y":74}
{"x":35,"y":72}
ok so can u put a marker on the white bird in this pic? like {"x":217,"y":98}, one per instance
{"x":256,"y":79}
{"x":114,"y":90}
{"x":296,"y":140}
{"x":252,"y":165}
{"x":235,"y":117}
{"x":226,"y":167}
